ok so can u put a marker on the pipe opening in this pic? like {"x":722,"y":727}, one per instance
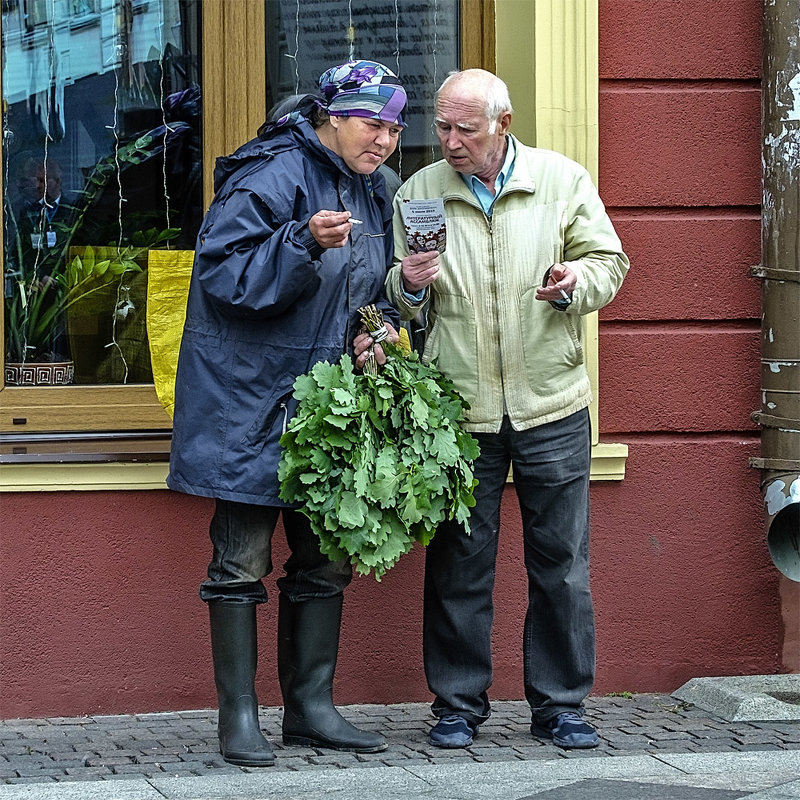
{"x":783,"y":539}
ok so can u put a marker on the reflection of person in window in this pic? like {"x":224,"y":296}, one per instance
{"x":279,"y":275}
{"x":45,"y":218}
{"x":43,"y":231}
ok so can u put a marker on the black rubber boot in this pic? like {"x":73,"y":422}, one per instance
{"x":233,"y":644}
{"x":308,"y":645}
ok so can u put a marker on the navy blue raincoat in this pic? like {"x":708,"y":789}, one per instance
{"x":266,"y":303}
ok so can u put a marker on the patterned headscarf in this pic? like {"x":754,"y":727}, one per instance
{"x":363,"y":89}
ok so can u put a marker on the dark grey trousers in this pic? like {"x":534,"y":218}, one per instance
{"x":551,"y":476}
{"x":241,"y":535}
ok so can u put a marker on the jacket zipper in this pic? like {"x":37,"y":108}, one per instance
{"x":496,"y":311}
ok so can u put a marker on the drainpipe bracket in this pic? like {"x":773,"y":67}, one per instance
{"x":771,"y":421}
{"x":777,"y":464}
{"x":771,"y":274}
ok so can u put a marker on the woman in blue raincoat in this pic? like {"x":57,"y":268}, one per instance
{"x":280,"y":272}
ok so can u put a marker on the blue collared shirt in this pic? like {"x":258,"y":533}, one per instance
{"x":482,"y":194}
{"x":478,"y":188}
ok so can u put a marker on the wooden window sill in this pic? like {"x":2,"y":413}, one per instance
{"x":148,"y":470}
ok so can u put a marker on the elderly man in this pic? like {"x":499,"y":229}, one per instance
{"x":530,"y":251}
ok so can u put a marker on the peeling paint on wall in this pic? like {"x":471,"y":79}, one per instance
{"x":794,"y":88}
{"x":786,"y":141}
{"x":775,"y":366}
{"x":775,"y":498}
{"x":790,"y":149}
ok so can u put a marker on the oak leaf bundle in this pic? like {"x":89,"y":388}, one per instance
{"x":377,"y":461}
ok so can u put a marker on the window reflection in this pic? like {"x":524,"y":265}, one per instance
{"x":417,"y":39}
{"x":101,"y":162}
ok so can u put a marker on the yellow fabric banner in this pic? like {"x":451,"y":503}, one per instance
{"x":168,"y":276}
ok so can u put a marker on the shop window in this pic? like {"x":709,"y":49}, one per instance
{"x":102,"y":160}
{"x":107,"y":153}
{"x":419,"y":41}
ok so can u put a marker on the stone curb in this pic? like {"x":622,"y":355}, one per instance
{"x":143,"y":755}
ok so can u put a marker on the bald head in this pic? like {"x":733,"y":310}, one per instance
{"x":484,"y":87}
{"x":472,"y":117}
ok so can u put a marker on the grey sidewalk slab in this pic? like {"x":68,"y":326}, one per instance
{"x":783,"y":763}
{"x":786,"y":791}
{"x":135,"y":789}
{"x":592,"y":788}
{"x":646,"y":740}
{"x":624,"y":778}
{"x":745,"y":697}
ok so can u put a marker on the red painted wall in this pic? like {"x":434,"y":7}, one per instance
{"x":98,"y":591}
{"x":679,"y":348}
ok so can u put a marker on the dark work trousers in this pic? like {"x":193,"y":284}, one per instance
{"x":551,"y":476}
{"x":241,"y":535}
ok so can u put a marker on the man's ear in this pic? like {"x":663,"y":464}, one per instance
{"x":504,"y":122}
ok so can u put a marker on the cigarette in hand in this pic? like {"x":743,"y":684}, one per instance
{"x":354,"y":221}
{"x":565,"y":296}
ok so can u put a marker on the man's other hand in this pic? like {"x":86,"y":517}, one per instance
{"x":561,"y":283}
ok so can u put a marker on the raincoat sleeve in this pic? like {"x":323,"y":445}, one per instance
{"x":389,"y":310}
{"x":249,"y":262}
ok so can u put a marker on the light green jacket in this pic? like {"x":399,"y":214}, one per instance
{"x":505,"y":351}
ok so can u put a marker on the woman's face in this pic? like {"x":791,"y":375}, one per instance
{"x":363,"y":143}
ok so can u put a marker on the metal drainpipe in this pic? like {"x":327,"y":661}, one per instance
{"x":779,"y":416}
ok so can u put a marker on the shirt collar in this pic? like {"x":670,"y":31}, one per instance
{"x":478,"y":188}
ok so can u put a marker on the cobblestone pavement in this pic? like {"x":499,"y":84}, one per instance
{"x":184,"y":743}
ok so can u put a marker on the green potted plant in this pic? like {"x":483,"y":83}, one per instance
{"x":37,"y":310}
{"x":35,"y":316}
{"x":40,"y":297}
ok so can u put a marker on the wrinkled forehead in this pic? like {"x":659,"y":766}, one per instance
{"x":462,"y":110}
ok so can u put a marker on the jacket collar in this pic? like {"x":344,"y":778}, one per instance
{"x":290,"y":137}
{"x":521,"y":180}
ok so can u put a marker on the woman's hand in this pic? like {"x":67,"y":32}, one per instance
{"x":364,"y":347}
{"x":330,"y":228}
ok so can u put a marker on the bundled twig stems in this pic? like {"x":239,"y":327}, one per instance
{"x":373,"y":322}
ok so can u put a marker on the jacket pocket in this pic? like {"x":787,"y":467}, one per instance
{"x":551,"y":343}
{"x":276,"y":410}
{"x":431,"y":350}
{"x":452,"y":344}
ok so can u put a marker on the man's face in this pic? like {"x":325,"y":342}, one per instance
{"x":363,"y":143}
{"x":28,"y":187}
{"x":48,"y":185}
{"x":463,"y":132}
